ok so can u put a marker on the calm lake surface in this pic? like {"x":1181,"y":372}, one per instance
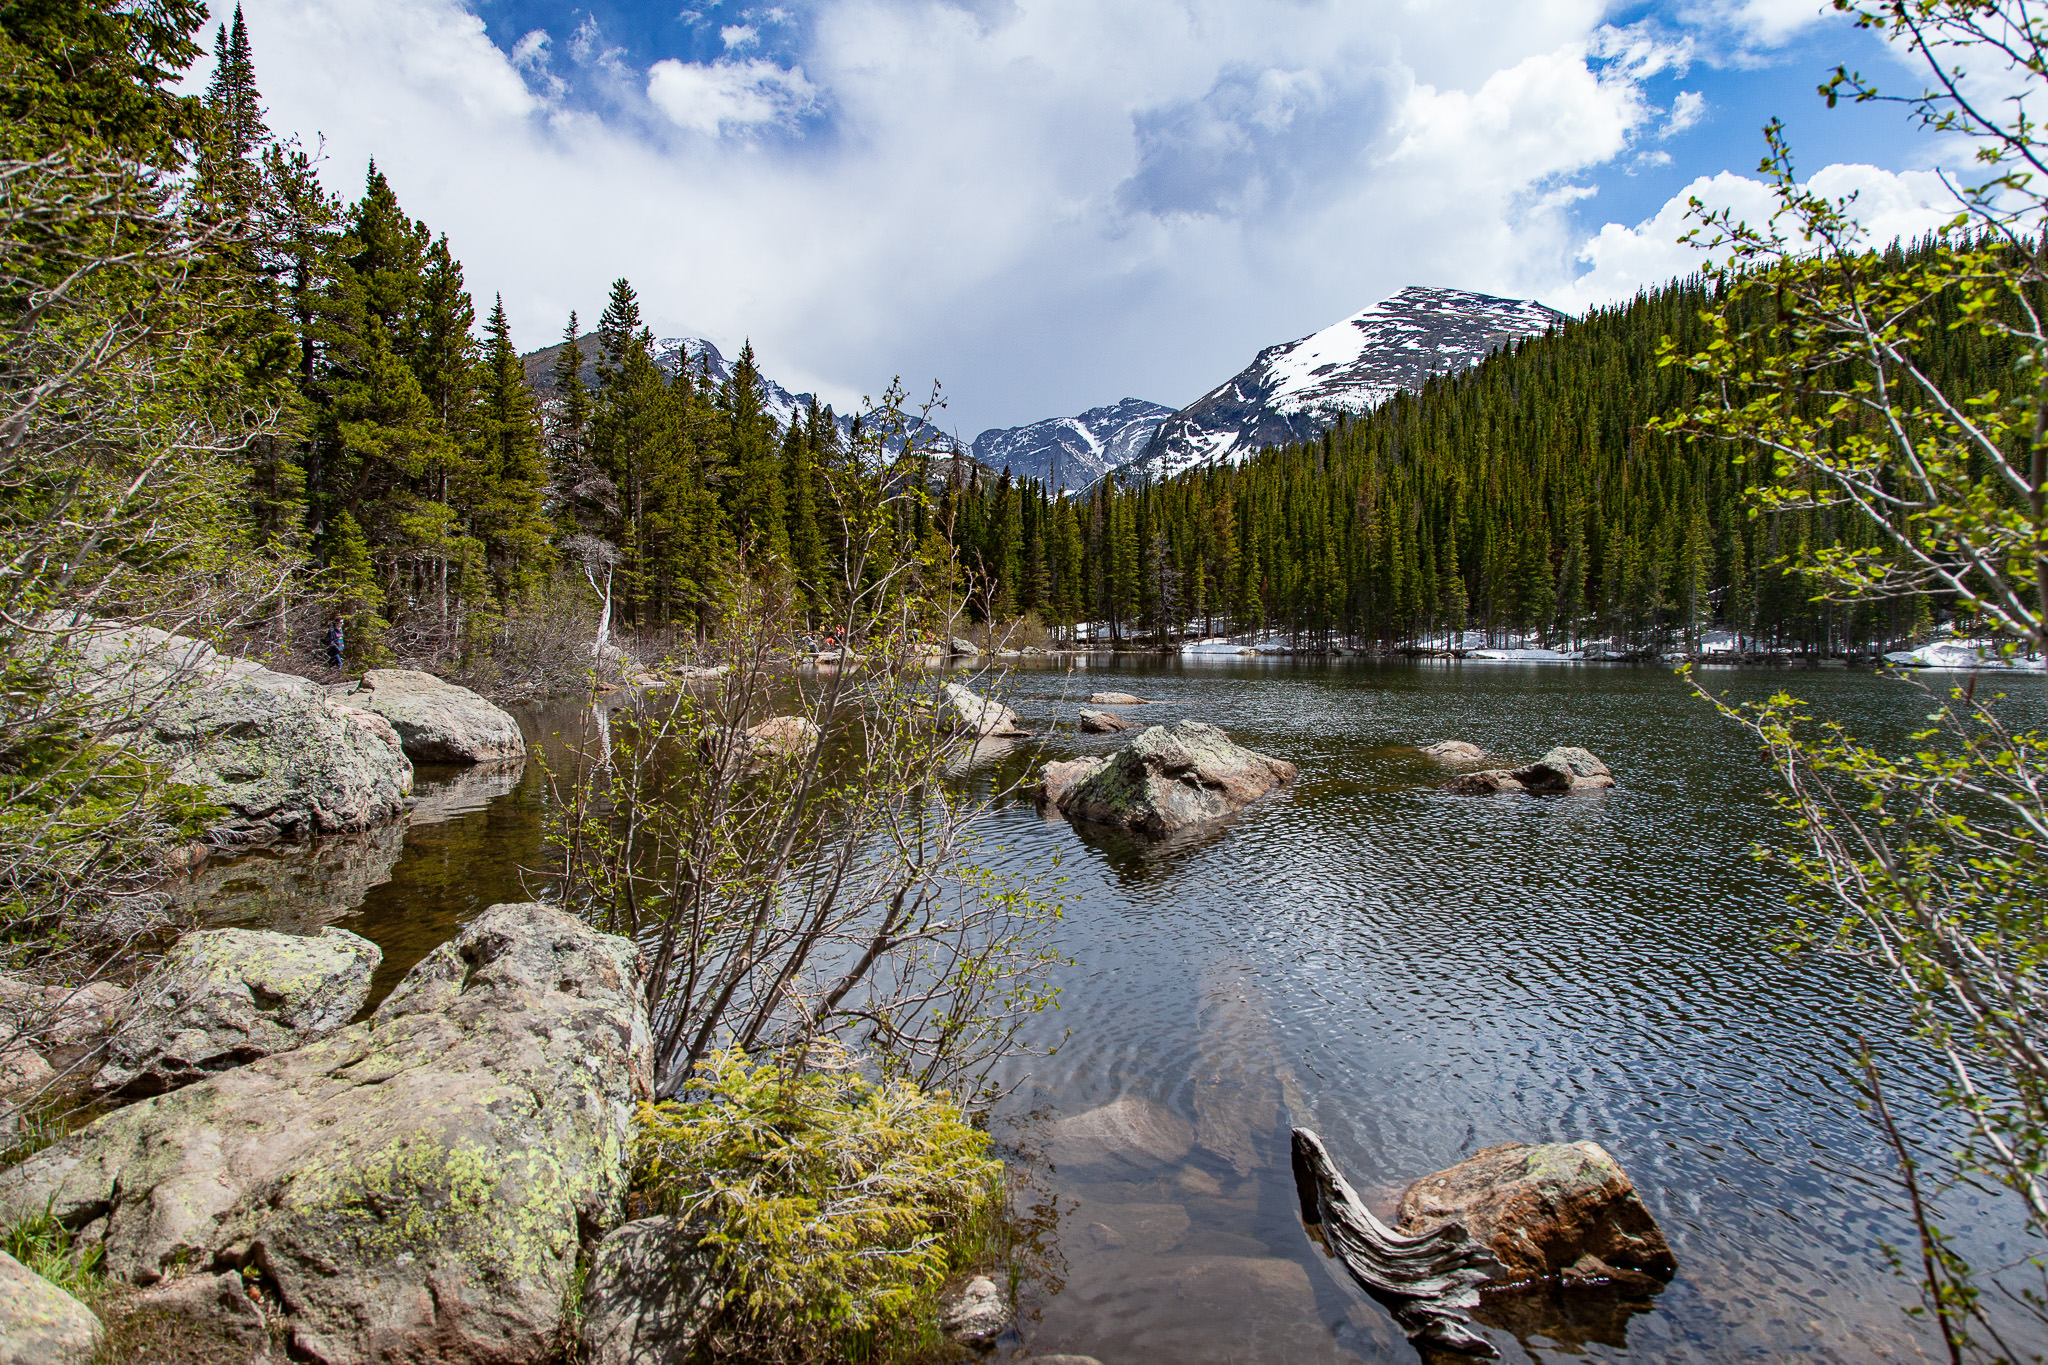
{"x":1413,"y":975}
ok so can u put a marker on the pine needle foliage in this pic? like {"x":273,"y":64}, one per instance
{"x":837,"y":1206}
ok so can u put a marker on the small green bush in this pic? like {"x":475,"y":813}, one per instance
{"x":837,"y":1206}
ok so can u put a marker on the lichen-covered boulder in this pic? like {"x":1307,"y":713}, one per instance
{"x":1543,"y":1210}
{"x":1171,"y":777}
{"x":40,"y":1324}
{"x":283,"y":758}
{"x":225,"y":997}
{"x":438,"y":721}
{"x":959,"y":708}
{"x":413,"y":1187}
{"x":648,"y":1294}
{"x":1103,"y":723}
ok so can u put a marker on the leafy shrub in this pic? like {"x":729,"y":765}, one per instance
{"x":836,"y":1206}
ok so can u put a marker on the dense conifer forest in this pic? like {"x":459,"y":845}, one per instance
{"x":1530,"y":497}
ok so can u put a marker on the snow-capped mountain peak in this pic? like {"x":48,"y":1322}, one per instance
{"x":1291,"y":391}
{"x":1073,"y":452}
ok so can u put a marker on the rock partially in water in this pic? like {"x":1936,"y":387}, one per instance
{"x":783,"y":736}
{"x":40,"y":1324}
{"x":59,"y":1018}
{"x":646,"y":1296}
{"x":965,"y":647}
{"x":1566,"y":769}
{"x":1055,"y":780}
{"x":1115,"y":699}
{"x":1169,"y":778}
{"x":960,"y":708}
{"x":225,"y":997}
{"x":284,"y":758}
{"x":438,"y":721}
{"x":1543,"y":1210}
{"x":1131,"y":1127}
{"x":1103,"y":723}
{"x":1453,"y":751}
{"x":413,"y":1187}
{"x":976,"y":1314}
{"x":1489,"y":782}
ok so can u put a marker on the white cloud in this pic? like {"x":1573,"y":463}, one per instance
{"x":1752,"y":24}
{"x":1689,"y":108}
{"x":738,"y":36}
{"x":1622,"y":260}
{"x":1046,"y":204}
{"x":531,"y":50}
{"x":723,"y":96}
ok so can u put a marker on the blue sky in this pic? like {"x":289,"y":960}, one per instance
{"x":1045,"y":205}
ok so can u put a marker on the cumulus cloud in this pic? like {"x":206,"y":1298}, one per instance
{"x":1622,"y":260}
{"x":1046,"y":204}
{"x":1689,"y":108}
{"x":716,"y":97}
{"x":737,"y":36}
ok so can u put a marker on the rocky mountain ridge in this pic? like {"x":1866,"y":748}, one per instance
{"x":1073,"y":452}
{"x":1292,"y":391}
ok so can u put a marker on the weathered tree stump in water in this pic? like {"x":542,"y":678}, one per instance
{"x":1429,"y":1283}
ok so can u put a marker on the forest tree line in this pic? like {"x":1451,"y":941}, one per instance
{"x":1532,"y":496}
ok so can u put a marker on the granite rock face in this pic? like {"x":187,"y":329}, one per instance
{"x":437,"y":721}
{"x":283,"y":758}
{"x":1555,"y":1208}
{"x":225,"y":997}
{"x":40,"y":1324}
{"x":1171,"y":777}
{"x":415,"y":1187}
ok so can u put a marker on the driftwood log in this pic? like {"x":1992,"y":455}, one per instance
{"x":1429,"y":1283}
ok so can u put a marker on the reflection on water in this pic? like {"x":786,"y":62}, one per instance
{"x":1415,"y":976}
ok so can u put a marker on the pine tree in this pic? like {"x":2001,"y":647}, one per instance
{"x":510,"y":514}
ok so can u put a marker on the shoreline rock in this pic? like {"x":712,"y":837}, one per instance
{"x":414,"y":1186}
{"x":41,"y":1324}
{"x":225,"y":997}
{"x":437,"y":721}
{"x":1166,"y":779}
{"x":959,"y":708}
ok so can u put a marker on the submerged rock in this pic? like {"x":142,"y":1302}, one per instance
{"x":976,"y":1314}
{"x":412,"y":1187}
{"x":961,"y":709}
{"x":1116,"y":699}
{"x":438,"y":721}
{"x":1103,"y":723}
{"x":1172,"y":777}
{"x":40,"y":1324}
{"x":1131,"y":1127}
{"x":224,"y":997}
{"x":1544,"y":1210}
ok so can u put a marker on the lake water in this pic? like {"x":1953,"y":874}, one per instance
{"x":1414,"y":975}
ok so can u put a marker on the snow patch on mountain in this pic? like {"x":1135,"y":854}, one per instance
{"x":1292,"y":391}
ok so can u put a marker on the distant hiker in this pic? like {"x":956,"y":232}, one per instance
{"x":335,"y":641}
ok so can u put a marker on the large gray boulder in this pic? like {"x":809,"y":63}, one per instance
{"x":437,"y":721}
{"x":1566,"y":769}
{"x":1171,"y":777}
{"x":40,"y":1324}
{"x":1548,"y":1209}
{"x":415,"y":1187}
{"x":960,"y":708}
{"x":284,"y":759}
{"x":224,"y":997}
